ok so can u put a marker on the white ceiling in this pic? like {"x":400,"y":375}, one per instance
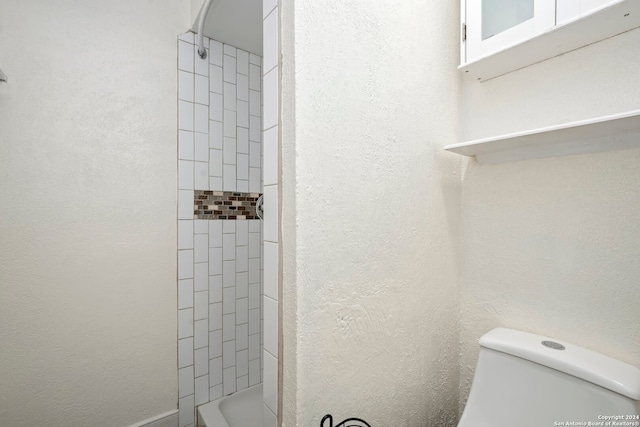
{"x":236,"y":22}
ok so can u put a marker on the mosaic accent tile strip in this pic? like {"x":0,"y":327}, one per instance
{"x":224,"y":205}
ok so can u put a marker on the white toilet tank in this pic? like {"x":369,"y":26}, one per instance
{"x":529,"y":380}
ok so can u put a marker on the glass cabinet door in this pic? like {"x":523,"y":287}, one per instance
{"x":493,"y":25}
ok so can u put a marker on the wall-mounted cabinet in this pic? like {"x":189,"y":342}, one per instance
{"x":499,"y":36}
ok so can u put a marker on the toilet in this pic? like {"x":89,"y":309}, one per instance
{"x":528,"y":380}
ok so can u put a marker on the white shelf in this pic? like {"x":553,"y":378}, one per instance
{"x":606,"y":133}
{"x":588,"y":29}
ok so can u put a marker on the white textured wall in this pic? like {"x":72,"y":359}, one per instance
{"x":551,"y":246}
{"x":88,"y":211}
{"x":370,"y":207}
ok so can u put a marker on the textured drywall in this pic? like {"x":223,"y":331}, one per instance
{"x":551,"y":246}
{"x":369,"y":218}
{"x":88,"y":211}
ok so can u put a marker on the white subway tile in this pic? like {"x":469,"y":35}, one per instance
{"x":185,"y":293}
{"x":185,"y":234}
{"x":255,"y":104}
{"x":186,"y":413}
{"x":215,"y":135}
{"x":185,"y":56}
{"x":242,"y":363}
{"x":187,"y":37}
{"x":229,"y":125}
{"x":185,"y":381}
{"x":185,"y":323}
{"x":201,"y":147}
{"x":254,"y":372}
{"x":185,"y":264}
{"x":215,"y":50}
{"x":271,"y":270}
{"x":185,"y":86}
{"x":229,"y":177}
{"x":242,"y":311}
{"x":270,"y":94}
{"x":185,"y":115}
{"x":270,"y":42}
{"x":242,"y":338}
{"x":242,"y":258}
{"x":201,"y":123}
{"x":229,"y":353}
{"x":215,"y":163}
{"x":255,"y":129}
{"x":215,"y":344}
{"x":270,"y":384}
{"x":242,"y":87}
{"x":242,"y":233}
{"x":201,"y":95}
{"x":200,"y":333}
{"x":201,"y":248}
{"x":242,"y":171}
{"x":215,"y":79}
{"x":215,"y":261}
{"x":229,"y":151}
{"x":215,"y":316}
{"x":215,"y":289}
{"x":201,"y":365}
{"x":242,"y":62}
{"x":215,"y":234}
{"x":242,"y":284}
{"x":255,"y":77}
{"x":229,"y":226}
{"x":254,"y":270}
{"x":229,"y":69}
{"x":185,"y":145}
{"x":200,"y":226}
{"x":254,"y":348}
{"x":185,"y":352}
{"x":230,"y":50}
{"x":242,"y":382}
{"x":215,"y":107}
{"x":228,"y":300}
{"x":215,"y":371}
{"x":185,"y":204}
{"x":228,"y":327}
{"x":229,"y":96}
{"x":270,"y":166}
{"x":253,"y":291}
{"x":255,"y":59}
{"x":254,"y":157}
{"x":255,"y":225}
{"x":215,"y":183}
{"x":242,"y":140}
{"x":242,"y":111}
{"x":202,"y":390}
{"x":228,"y":247}
{"x":229,"y":380}
{"x":270,"y":325}
{"x":201,"y":305}
{"x":271,"y":213}
{"x":242,"y":186}
{"x":254,"y":322}
{"x":215,"y":393}
{"x":201,"y":175}
{"x":200,"y":276}
{"x":254,"y":180}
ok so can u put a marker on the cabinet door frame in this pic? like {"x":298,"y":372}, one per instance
{"x":544,"y":18}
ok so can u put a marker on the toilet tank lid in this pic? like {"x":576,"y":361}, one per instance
{"x":588,"y":365}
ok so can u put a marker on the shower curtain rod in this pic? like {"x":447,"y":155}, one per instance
{"x":202,"y":51}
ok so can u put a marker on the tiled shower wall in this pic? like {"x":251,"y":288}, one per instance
{"x":271,"y":79}
{"x":220,"y":340}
